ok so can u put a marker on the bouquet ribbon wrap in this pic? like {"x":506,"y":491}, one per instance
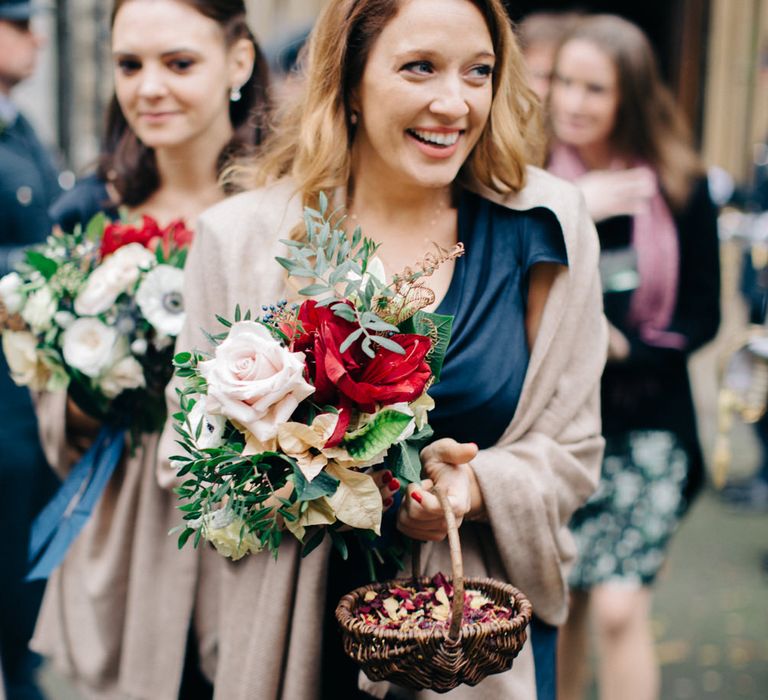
{"x":59,"y":523}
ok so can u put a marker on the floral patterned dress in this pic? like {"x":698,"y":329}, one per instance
{"x":623,"y":530}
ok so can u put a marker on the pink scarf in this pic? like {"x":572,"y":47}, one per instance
{"x":654,"y":237}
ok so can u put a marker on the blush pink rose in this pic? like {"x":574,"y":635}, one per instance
{"x":254,"y":381}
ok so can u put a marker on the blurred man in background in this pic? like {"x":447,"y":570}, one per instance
{"x":28,"y":186}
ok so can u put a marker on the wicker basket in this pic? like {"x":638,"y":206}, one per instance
{"x":437,"y":659}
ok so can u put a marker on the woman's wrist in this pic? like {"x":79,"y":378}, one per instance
{"x":477,"y":512}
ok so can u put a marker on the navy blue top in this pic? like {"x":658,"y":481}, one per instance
{"x":487,"y":356}
{"x":479,"y":388}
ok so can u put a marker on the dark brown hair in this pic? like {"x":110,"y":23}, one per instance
{"x":130,"y":166}
{"x":649,"y":125}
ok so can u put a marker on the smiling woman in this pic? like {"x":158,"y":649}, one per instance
{"x":414,"y":115}
{"x":125,"y":615}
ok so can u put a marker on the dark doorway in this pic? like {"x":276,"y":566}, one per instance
{"x":677,"y":29}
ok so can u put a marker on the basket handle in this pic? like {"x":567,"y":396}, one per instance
{"x":457,"y":565}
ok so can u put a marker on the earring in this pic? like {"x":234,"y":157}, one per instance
{"x":353,"y":118}
{"x":235,"y":94}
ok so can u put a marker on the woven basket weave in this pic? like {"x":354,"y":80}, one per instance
{"x":437,"y":659}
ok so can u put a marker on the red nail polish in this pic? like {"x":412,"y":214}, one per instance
{"x":388,"y":502}
{"x":416,"y":496}
{"x":394,"y":485}
{"x":386,"y":477}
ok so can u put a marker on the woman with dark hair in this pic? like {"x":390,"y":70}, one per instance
{"x":415,"y":117}
{"x":618,"y":135}
{"x":126,"y":614}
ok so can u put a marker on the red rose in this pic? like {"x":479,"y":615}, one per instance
{"x":351,"y":378}
{"x":178,"y":234}
{"x":149,"y":234}
{"x":117,"y":234}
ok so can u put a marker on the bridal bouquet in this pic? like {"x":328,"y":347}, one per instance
{"x":96,"y":312}
{"x":284,"y":422}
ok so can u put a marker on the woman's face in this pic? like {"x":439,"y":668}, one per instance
{"x":425,"y":94}
{"x":584,"y":96}
{"x":173,"y":73}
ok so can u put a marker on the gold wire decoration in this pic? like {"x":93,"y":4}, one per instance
{"x":411,"y":293}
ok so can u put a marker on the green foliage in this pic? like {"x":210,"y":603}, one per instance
{"x":376,"y":435}
{"x":322,"y":485}
{"x":44,"y":265}
{"x":404,"y":461}
{"x":438,"y":328}
{"x":337,"y":264}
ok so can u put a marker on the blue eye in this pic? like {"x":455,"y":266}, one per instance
{"x":418,"y":67}
{"x":483,"y":70}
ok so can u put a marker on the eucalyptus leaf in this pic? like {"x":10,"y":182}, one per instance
{"x":314,"y":289}
{"x":388,"y":344}
{"x":351,"y":338}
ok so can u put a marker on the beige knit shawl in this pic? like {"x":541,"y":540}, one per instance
{"x":544,"y":467}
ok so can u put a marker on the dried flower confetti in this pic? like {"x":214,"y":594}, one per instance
{"x":408,"y":607}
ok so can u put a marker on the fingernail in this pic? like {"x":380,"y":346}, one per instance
{"x":416,"y":496}
{"x":388,"y":502}
{"x":386,"y":477}
{"x":394,"y":485}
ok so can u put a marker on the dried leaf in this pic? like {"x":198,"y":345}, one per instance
{"x":318,"y":512}
{"x":357,"y":501}
{"x":305,"y":442}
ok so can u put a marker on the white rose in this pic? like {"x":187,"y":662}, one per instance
{"x":12,"y":299}
{"x":89,"y":346}
{"x":139,"y":346}
{"x":212,"y":430}
{"x":24,"y":360}
{"x":227,"y":533}
{"x":64,"y":319}
{"x":254,"y":381}
{"x":39,"y":310}
{"x":113,"y":277}
{"x":126,"y":373}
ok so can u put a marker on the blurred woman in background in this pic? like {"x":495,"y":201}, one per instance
{"x":124,"y":615}
{"x":618,"y":135}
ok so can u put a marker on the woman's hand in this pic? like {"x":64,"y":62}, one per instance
{"x":388,"y":487}
{"x":615,"y":193}
{"x":446,"y":465}
{"x":618,"y":345}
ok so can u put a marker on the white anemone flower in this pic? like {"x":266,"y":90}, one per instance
{"x":160,"y":299}
{"x":212,"y":428}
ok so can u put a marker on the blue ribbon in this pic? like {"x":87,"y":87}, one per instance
{"x":60,"y":522}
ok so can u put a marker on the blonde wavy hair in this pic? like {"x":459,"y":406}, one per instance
{"x":313,"y":133}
